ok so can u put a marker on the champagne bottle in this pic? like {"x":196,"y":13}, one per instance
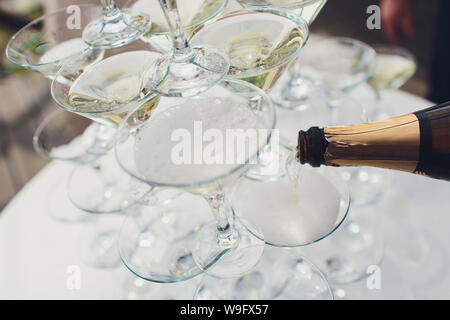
{"x":418,"y":143}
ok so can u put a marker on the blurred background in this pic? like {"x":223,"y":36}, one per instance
{"x":25,"y":96}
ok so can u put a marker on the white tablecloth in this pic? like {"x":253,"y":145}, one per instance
{"x":36,"y":252}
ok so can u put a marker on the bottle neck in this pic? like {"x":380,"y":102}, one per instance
{"x":418,"y":143}
{"x":393,"y":144}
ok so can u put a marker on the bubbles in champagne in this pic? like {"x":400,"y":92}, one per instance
{"x":259,"y":45}
{"x":108,"y":89}
{"x":187,"y":124}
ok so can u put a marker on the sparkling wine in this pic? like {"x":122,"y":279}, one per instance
{"x":107,"y":91}
{"x":260,"y":45}
{"x":156,"y":155}
{"x":193,"y":13}
{"x":417,"y":143}
{"x":392,"y":71}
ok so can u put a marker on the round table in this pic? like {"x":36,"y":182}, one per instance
{"x":40,"y":257}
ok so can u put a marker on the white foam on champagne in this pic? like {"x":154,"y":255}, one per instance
{"x":154,"y":143}
{"x":289,"y":215}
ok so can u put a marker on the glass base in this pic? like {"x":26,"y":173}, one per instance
{"x":99,"y":242}
{"x":103,"y":187}
{"x":230,"y":255}
{"x":188,"y":77}
{"x":156,"y":243}
{"x":357,"y":245}
{"x":281,"y":274}
{"x":367,"y":185}
{"x":136,"y":288}
{"x":116,"y":32}
{"x":297,"y":93}
{"x":59,"y":206}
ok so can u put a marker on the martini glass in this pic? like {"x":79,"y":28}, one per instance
{"x":282,"y":274}
{"x":306,"y":206}
{"x":156,"y":241}
{"x":228,"y":246}
{"x":293,"y":90}
{"x":47,"y":43}
{"x":187,"y":71}
{"x":307,"y":9}
{"x":341,"y":65}
{"x":116,"y":28}
{"x":261,"y":43}
{"x":62,"y":136}
{"x":193,"y":14}
{"x":394,"y":67}
{"x":105,"y":92}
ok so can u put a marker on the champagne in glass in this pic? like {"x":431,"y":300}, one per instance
{"x":47,"y":43}
{"x":193,"y":13}
{"x":394,"y":67}
{"x":392,"y":72}
{"x":172,"y":149}
{"x":105,"y":92}
{"x":260,"y":43}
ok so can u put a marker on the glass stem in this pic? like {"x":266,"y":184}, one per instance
{"x":377,"y":96}
{"x":182,"y":50}
{"x":227,"y":236}
{"x":110,"y":10}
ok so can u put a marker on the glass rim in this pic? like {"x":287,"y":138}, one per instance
{"x":195,"y":25}
{"x":397,"y":50}
{"x":38,"y":20}
{"x":139,"y":101}
{"x":209,"y":181}
{"x":296,"y":4}
{"x":348,"y":204}
{"x":299,"y":21}
{"x":361,"y":44}
{"x":37,"y":135}
{"x":290,"y":251}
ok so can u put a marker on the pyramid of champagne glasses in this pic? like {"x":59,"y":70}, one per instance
{"x":178,"y":103}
